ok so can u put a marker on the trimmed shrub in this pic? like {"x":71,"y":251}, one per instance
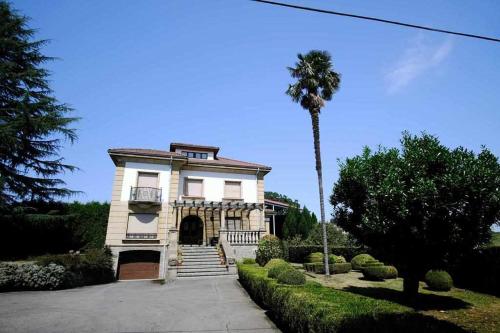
{"x":291,"y":276}
{"x":276,"y":270}
{"x":31,"y":277}
{"x":319,"y":268}
{"x":438,"y":280}
{"x":93,"y":267}
{"x":372,"y":263}
{"x":248,"y":261}
{"x":299,"y":253}
{"x":314,"y":308}
{"x":341,"y":268}
{"x":315,"y":257}
{"x":358,"y":261}
{"x":379,"y":273}
{"x":332,"y":258}
{"x":269,"y":248}
{"x":275,"y":262}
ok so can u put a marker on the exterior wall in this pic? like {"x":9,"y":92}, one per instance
{"x":130,"y":178}
{"x":213,"y":184}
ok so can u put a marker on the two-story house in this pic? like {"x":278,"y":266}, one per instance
{"x":183,"y":212}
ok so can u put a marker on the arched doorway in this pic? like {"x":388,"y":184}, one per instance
{"x":191,"y":230}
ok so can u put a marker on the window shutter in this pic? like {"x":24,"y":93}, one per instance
{"x":142,"y":224}
{"x":194,"y":187}
{"x":147,"y":180}
{"x":232,"y":190}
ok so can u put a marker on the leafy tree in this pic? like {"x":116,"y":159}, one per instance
{"x":316,"y":83}
{"x":420,"y":207}
{"x":291,"y":225}
{"x":336,"y":236}
{"x":32,"y":122}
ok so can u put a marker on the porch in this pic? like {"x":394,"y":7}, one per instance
{"x":200,"y":222}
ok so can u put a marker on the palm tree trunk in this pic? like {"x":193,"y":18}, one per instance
{"x":317,"y":153}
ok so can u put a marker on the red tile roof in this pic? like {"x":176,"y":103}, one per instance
{"x":219,"y":161}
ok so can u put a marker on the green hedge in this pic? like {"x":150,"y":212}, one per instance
{"x":438,"y":280}
{"x":379,"y":273}
{"x":314,"y":308}
{"x":291,"y":276}
{"x":359,"y":260}
{"x":299,"y":253}
{"x":248,"y":260}
{"x":319,"y":268}
{"x":276,"y":270}
{"x":31,"y":277}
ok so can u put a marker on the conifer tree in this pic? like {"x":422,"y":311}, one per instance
{"x":33,"y":123}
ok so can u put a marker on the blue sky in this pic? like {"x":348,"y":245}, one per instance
{"x":144,"y":74}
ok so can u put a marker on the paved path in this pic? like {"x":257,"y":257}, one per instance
{"x":189,"y":305}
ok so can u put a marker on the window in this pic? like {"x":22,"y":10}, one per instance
{"x":232,"y":190}
{"x":147,"y":179}
{"x":193,"y":187}
{"x":142,"y":226}
{"x":192,"y":154}
{"x":234,"y":223}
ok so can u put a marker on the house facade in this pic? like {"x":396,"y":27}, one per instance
{"x":183,"y":212}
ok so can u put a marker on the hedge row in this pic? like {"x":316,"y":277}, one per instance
{"x":58,"y":271}
{"x":319,"y":268}
{"x":314,"y":308}
{"x":299,"y":253}
{"x":483,"y":275}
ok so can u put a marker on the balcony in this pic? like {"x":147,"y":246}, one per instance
{"x":145,"y":195}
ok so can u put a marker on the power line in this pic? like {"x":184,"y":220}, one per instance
{"x":491,"y":39}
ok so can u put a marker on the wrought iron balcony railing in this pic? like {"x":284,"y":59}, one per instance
{"x":145,"y":194}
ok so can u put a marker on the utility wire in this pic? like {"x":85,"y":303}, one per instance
{"x":491,"y":39}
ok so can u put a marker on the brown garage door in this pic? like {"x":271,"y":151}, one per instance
{"x":138,"y":265}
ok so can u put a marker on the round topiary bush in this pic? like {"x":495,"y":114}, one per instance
{"x":438,"y":280}
{"x":379,"y":273}
{"x":277,"y":269}
{"x":358,"y":261}
{"x":269,"y":248}
{"x":333,"y":259}
{"x":340,"y":268}
{"x":371,"y":263}
{"x":275,"y":262}
{"x":315,"y":257}
{"x":292,"y":276}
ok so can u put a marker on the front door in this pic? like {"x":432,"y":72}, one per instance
{"x":191,"y":231}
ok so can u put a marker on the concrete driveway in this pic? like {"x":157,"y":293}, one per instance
{"x":194,"y":305}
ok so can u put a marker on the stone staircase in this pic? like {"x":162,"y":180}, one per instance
{"x":199,"y":260}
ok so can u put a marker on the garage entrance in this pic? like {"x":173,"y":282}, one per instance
{"x":140,"y":264}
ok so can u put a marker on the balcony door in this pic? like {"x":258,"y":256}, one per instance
{"x":147,"y":187}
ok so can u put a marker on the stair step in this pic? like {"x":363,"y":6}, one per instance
{"x":187,"y":275}
{"x":200,"y":264}
{"x":200,"y":255}
{"x":201,"y":268}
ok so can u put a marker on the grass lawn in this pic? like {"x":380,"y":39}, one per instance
{"x":472,"y":311}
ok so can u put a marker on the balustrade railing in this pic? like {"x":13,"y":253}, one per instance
{"x":145,"y":194}
{"x":243,"y":237}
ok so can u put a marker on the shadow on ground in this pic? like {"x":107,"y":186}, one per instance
{"x":424,"y":301}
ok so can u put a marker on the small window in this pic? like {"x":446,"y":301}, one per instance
{"x":192,"y":154}
{"x":232,"y":190}
{"x":234,"y":223}
{"x":142,"y":226}
{"x":193,"y":187}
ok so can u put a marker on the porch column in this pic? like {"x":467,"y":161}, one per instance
{"x":274,"y":225}
{"x":222,"y":216}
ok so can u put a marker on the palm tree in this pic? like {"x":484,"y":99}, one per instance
{"x":316,"y":83}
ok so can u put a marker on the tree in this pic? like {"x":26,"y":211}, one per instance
{"x":32,"y":122}
{"x":291,"y":224}
{"x":420,"y":207}
{"x":316,"y":83}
